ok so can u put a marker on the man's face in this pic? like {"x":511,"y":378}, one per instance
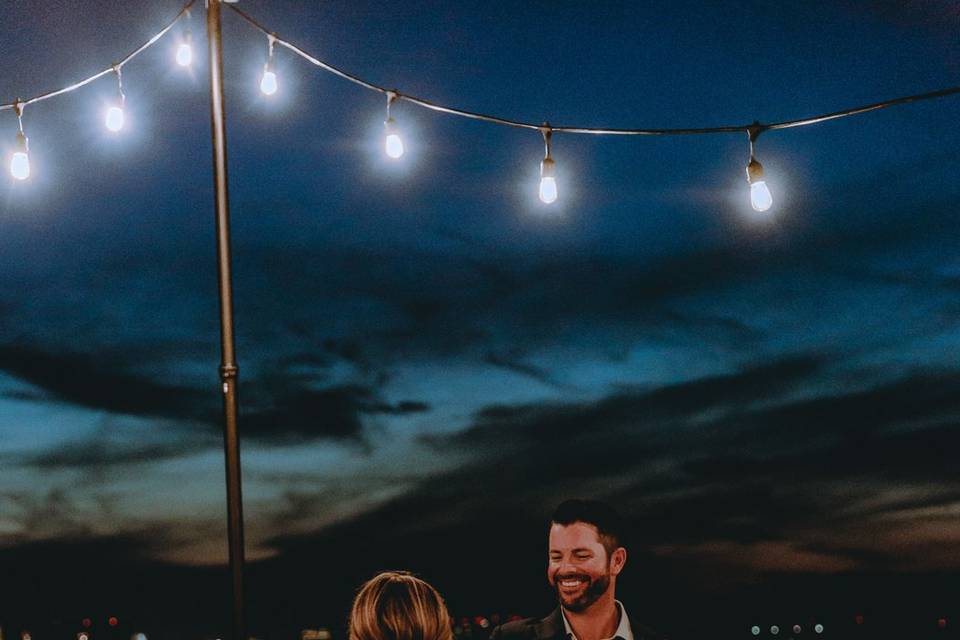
{"x":578,"y":567}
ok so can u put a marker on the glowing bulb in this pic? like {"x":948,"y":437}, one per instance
{"x":20,"y":165}
{"x":548,"y":190}
{"x":184,"y":54}
{"x":268,"y":83}
{"x":548,"y":181}
{"x":20,"y":162}
{"x":393,"y":145}
{"x":760,"y":198}
{"x":114,"y":120}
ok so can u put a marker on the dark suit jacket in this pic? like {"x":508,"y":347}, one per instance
{"x":551,"y":628}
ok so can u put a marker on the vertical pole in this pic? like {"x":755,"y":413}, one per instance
{"x":228,"y":365}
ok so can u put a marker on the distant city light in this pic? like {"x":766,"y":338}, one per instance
{"x":818,"y":628}
{"x":942,"y":623}
{"x":796,"y":629}
{"x":138,"y":636}
{"x":112,"y":621}
{"x":859,"y":619}
{"x":774,"y":629}
{"x":83,"y":635}
{"x":755,"y":630}
{"x":25,"y":635}
{"x":86,"y":622}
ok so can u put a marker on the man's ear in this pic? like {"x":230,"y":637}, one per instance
{"x":618,"y":559}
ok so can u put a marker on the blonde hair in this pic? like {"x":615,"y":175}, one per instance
{"x":396,"y":605}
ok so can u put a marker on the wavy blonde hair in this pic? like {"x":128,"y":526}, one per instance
{"x":396,"y":605}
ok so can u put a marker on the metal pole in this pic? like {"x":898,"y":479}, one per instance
{"x":228,"y":365}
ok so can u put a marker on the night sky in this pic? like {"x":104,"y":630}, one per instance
{"x":430,"y":358}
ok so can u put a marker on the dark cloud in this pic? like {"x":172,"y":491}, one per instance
{"x":296,"y":411}
{"x":634,"y":411}
{"x":279,"y":405}
{"x":96,"y":454}
{"x":87,"y":380}
{"x":512,"y":362}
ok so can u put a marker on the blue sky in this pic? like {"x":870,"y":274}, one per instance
{"x":402,"y":326}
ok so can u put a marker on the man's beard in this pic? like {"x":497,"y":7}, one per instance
{"x":595,"y":588}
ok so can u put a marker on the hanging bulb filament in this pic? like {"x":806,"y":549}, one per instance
{"x":393,"y":144}
{"x":548,"y":171}
{"x":268,"y":81}
{"x":185,"y":51}
{"x":760,"y":198}
{"x":115,"y":118}
{"x":20,"y":161}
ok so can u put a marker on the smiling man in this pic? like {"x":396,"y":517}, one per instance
{"x":585,"y":557}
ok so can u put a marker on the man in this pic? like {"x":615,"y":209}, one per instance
{"x":585,"y":557}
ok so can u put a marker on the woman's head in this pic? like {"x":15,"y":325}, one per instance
{"x":395,"y":605}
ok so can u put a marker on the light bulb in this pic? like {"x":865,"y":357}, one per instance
{"x":548,"y":181}
{"x":184,"y":54}
{"x":114,"y":119}
{"x":393,"y":145}
{"x":760,"y":198}
{"x":20,"y":162}
{"x":20,"y":165}
{"x":548,"y":190}
{"x":268,"y":83}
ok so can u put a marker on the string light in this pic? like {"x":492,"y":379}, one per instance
{"x":268,"y":81}
{"x":548,"y":170}
{"x":760,"y":198}
{"x":114,"y":119}
{"x":392,"y":143}
{"x":20,"y":161}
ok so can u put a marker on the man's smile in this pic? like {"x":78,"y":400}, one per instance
{"x":572,"y":583}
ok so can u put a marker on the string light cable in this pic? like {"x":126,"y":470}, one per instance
{"x":760,"y":197}
{"x":113,"y":68}
{"x":114,"y":119}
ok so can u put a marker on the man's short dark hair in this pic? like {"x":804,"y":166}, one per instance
{"x":610,"y":526}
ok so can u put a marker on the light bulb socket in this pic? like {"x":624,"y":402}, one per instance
{"x":754,"y":171}
{"x":22,"y":144}
{"x":548,"y":168}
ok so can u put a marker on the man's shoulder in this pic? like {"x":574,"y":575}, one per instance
{"x":527,"y":628}
{"x":516,"y":628}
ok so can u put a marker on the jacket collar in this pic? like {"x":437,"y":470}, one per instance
{"x":552,"y":628}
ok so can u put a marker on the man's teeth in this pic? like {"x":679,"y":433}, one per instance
{"x":569,"y":583}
